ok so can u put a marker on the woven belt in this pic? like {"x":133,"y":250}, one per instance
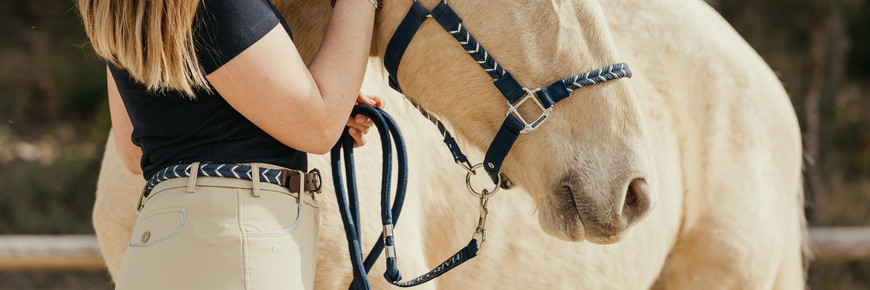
{"x":283,"y":177}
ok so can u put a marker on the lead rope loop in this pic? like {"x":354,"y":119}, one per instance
{"x":348,"y":204}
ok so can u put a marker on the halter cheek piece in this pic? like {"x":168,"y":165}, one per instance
{"x":513,"y":125}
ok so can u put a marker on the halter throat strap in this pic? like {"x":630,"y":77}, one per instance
{"x":515,"y":94}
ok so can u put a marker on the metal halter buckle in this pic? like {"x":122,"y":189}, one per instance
{"x":513,"y":108}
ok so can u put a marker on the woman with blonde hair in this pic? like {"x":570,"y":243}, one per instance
{"x":216,"y":106}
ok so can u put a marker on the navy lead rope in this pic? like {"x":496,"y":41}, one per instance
{"x":348,"y":204}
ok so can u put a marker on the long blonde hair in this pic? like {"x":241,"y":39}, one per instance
{"x":151,"y":39}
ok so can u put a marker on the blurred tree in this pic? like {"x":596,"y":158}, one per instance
{"x":48,"y":74}
{"x":828,"y":49}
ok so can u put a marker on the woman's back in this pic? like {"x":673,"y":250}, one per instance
{"x":172,"y":128}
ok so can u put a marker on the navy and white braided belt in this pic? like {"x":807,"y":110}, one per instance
{"x":283,"y":177}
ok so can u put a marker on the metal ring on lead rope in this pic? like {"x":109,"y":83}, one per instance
{"x":487,"y":193}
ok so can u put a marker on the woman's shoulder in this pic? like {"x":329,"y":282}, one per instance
{"x":245,"y":12}
{"x":225,"y":28}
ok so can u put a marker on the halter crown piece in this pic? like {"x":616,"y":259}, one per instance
{"x":513,"y":125}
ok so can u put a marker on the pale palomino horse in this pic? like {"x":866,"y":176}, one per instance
{"x":698,"y":154}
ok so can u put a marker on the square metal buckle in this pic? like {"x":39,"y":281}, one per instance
{"x":513,"y":108}
{"x":318,"y":182}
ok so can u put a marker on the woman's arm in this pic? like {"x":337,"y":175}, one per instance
{"x":122,"y":128}
{"x":302,"y":107}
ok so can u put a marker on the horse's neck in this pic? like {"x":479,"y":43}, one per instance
{"x":308,"y":20}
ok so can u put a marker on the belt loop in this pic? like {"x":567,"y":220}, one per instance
{"x":255,"y":178}
{"x":191,"y":181}
{"x":141,"y":203}
{"x":301,"y":187}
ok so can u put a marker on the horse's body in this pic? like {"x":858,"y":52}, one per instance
{"x":723,"y":138}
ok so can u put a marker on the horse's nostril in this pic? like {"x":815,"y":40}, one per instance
{"x":634,"y":196}
{"x":631,"y":195}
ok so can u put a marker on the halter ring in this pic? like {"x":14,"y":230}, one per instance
{"x":485,"y":193}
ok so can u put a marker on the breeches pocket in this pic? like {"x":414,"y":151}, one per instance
{"x":275,"y":214}
{"x":280,"y":240}
{"x":157,"y":226}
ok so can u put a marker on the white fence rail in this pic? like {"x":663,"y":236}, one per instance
{"x":50,"y":252}
{"x":840,"y":243}
{"x":77,"y":252}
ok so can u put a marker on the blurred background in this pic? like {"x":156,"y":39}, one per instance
{"x":54,"y":120}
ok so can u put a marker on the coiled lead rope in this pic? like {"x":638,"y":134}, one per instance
{"x":348,"y":203}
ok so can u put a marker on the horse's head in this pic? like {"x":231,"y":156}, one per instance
{"x":588,"y":167}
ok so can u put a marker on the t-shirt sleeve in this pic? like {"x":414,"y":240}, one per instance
{"x":225,"y":28}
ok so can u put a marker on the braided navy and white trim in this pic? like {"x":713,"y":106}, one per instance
{"x":619,"y":70}
{"x":273,"y":176}
{"x":477,"y":52}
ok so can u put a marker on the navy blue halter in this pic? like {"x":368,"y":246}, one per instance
{"x":514,"y":124}
{"x":510,"y":130}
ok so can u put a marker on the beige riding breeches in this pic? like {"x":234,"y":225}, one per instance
{"x":222,"y":233}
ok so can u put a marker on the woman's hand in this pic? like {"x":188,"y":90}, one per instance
{"x":359,"y":126}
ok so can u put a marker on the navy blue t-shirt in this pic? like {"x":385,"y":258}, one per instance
{"x":172,"y":128}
